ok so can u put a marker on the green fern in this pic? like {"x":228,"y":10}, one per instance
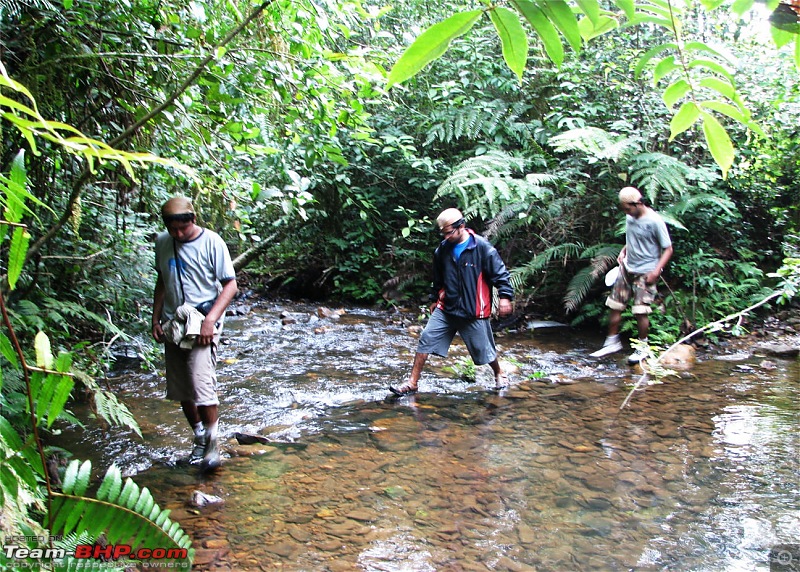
{"x":14,"y":8}
{"x":521,"y":274}
{"x":486,"y":184}
{"x":121,"y":512}
{"x":597,"y":144}
{"x":473,"y":123}
{"x":603,"y":257}
{"x":108,"y":407}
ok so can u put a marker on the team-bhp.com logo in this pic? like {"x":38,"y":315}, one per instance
{"x":92,"y":555}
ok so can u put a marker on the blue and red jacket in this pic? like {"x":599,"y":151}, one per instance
{"x":463,"y":288}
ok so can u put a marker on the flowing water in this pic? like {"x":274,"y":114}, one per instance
{"x":698,"y":473}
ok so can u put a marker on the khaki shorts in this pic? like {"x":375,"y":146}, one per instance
{"x":192,"y":374}
{"x":633,"y":286}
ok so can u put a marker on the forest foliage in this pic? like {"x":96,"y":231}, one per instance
{"x":321,"y":138}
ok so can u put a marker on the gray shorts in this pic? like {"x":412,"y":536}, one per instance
{"x":192,"y":374}
{"x":441,"y":329}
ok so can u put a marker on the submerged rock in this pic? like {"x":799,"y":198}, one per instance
{"x":200,"y":499}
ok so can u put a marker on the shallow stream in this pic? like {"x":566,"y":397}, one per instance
{"x":698,"y":473}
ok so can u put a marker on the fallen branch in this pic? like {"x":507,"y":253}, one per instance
{"x":708,"y":327}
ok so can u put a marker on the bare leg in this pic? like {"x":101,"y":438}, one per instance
{"x":416,"y":369}
{"x":500,"y":378}
{"x":643,"y":325}
{"x":614,"y":319}
{"x":191,"y":413}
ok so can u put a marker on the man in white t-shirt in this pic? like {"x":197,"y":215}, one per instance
{"x":194,"y":268}
{"x":647,"y":250}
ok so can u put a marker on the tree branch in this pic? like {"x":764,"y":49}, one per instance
{"x":77,"y":187}
{"x":710,"y":326}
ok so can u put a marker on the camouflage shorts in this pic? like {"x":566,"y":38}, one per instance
{"x":633,"y":286}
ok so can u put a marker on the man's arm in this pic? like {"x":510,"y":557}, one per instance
{"x":500,"y":278}
{"x":653,"y":276}
{"x":158,"y":307}
{"x":229,"y":290}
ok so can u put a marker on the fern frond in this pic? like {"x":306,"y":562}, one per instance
{"x":578,"y":287}
{"x":521,"y":274}
{"x":122,"y":512}
{"x":694,"y":202}
{"x":594,"y":142}
{"x":109,"y":408}
{"x":491,"y":120}
{"x":485,"y":184}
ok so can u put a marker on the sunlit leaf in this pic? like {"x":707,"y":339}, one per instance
{"x":590,"y":8}
{"x":513,"y":39}
{"x":684,"y":119}
{"x":431,"y":44}
{"x":592,"y":29}
{"x":626,"y":6}
{"x":44,"y":355}
{"x":664,"y":67}
{"x":675,"y":92}
{"x":719,"y":142}
{"x":562,"y":16}
{"x":544,"y":28}
{"x":20,"y":239}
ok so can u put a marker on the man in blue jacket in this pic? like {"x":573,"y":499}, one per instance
{"x":465,"y":268}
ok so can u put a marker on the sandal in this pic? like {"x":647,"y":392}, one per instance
{"x":405,"y":389}
{"x":501,"y":381}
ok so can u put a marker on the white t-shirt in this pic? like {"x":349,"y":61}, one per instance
{"x":646,"y":238}
{"x":204,"y":263}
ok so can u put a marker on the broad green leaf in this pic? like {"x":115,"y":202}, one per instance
{"x":725,"y":108}
{"x":719,"y":142}
{"x":15,"y":200}
{"x":8,"y":350}
{"x":562,"y":16}
{"x":431,"y":44}
{"x":590,"y":8}
{"x":590,"y":30}
{"x":44,"y":356}
{"x":781,"y":37}
{"x":701,"y":47}
{"x":739,"y":7}
{"x":626,"y":6}
{"x":664,"y":67}
{"x":650,"y":54}
{"x":734,"y":113}
{"x":675,"y":91}
{"x":712,"y":4}
{"x":513,"y":39}
{"x":797,"y":51}
{"x":724,"y":88}
{"x":544,"y":28}
{"x":645,"y":19}
{"x":61,"y":392}
{"x":20,"y":239}
{"x":713,"y":66}
{"x":684,"y":119}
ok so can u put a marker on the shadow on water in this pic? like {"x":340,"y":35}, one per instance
{"x":699,"y":473}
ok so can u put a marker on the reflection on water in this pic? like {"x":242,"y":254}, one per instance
{"x":699,"y":473}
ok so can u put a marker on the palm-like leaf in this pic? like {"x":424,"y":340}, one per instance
{"x":121,"y":511}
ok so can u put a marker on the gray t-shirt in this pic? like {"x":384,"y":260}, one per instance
{"x":646,"y":238}
{"x":204,"y":262}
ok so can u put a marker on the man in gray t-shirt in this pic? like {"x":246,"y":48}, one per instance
{"x":195,"y":271}
{"x":647,"y":250}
